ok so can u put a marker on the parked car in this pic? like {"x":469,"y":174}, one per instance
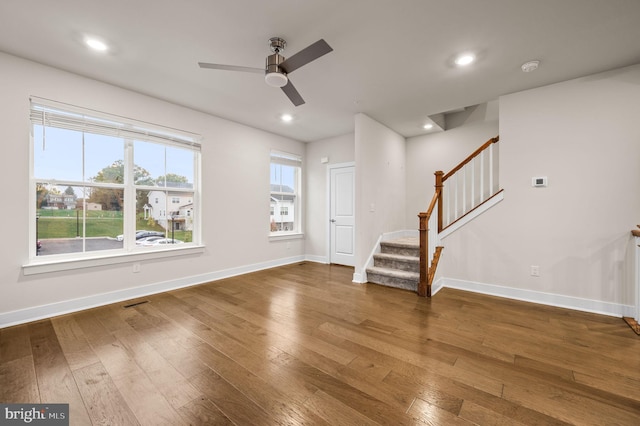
{"x":161,"y":242}
{"x":143,"y":234}
{"x":141,"y":241}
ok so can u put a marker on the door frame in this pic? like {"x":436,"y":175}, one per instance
{"x":330,"y":167}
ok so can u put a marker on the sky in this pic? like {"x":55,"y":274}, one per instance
{"x":59,"y":156}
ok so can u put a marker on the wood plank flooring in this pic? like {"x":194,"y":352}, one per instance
{"x":301,"y":344}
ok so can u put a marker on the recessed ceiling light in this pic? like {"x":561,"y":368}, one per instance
{"x":530,"y":66}
{"x":96,"y":44}
{"x":464,"y":59}
{"x":428,"y":126}
{"x":286,"y":117}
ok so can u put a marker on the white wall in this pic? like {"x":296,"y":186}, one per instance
{"x":584,"y":135}
{"x":380,"y":185}
{"x":235,"y":163}
{"x":443,"y":151}
{"x":338,"y":149}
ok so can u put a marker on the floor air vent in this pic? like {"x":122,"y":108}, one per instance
{"x":136,"y":304}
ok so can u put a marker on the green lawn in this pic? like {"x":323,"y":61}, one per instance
{"x":65,"y":224}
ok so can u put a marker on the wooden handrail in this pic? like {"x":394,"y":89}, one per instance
{"x":426,"y":272}
{"x":473,"y":155}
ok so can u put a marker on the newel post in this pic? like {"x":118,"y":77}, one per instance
{"x":439,"y":185}
{"x":424,"y":246}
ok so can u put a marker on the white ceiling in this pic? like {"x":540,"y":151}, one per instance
{"x":392,"y":60}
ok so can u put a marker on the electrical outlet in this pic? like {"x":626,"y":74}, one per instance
{"x":535,"y":271}
{"x":136,"y":268}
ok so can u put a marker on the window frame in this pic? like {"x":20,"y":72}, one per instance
{"x":127,"y":132}
{"x":288,"y":159}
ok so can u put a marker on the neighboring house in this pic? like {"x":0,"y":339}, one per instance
{"x":94,"y":206}
{"x":282,"y":206}
{"x":80,"y":204}
{"x":164,"y":205}
{"x":184,"y":219}
{"x":60,"y":201}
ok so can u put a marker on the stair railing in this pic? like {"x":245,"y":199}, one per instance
{"x":427,"y":272}
{"x":467,"y":186}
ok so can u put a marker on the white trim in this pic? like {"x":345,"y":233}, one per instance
{"x":286,"y":236}
{"x":102,"y":259}
{"x":550,"y":299}
{"x":21,"y":316}
{"x":637,"y":279}
{"x":316,"y":259}
{"x":472,"y":215}
{"x":437,"y":286}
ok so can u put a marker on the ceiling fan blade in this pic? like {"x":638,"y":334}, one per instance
{"x":230,"y":68}
{"x":306,"y":55}
{"x":292,"y":94}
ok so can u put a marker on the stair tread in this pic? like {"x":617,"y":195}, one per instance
{"x":393,"y":272}
{"x":396,"y":256}
{"x":403,"y":242}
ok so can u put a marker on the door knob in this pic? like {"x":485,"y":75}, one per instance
{"x":333,"y":221}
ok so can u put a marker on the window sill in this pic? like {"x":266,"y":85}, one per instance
{"x":286,"y":236}
{"x":46,"y":266}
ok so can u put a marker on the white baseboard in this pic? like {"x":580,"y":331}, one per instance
{"x":358,"y":278}
{"x":550,"y":299}
{"x":35,"y":313}
{"x":317,"y":259}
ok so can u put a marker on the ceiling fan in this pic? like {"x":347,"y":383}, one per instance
{"x":277,"y":68}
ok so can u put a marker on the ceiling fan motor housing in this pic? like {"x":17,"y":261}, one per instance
{"x":274,"y":75}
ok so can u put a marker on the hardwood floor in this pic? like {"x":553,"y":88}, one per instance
{"x":301,"y":344}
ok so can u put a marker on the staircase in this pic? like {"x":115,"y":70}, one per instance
{"x":397,"y":264}
{"x":465,"y":192}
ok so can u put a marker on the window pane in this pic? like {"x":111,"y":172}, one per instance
{"x":149,"y":160}
{"x":104,"y":159}
{"x":180,"y":167}
{"x":163,"y":165}
{"x":170,"y":212}
{"x":57,"y":154}
{"x":283,"y":198}
{"x":68,"y":222}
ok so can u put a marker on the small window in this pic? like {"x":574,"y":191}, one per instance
{"x":285,"y":206}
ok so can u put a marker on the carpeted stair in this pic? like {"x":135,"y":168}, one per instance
{"x":397,"y":264}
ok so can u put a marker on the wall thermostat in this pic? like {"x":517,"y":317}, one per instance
{"x":538,"y":182}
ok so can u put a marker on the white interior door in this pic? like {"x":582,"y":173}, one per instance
{"x":342,"y":215}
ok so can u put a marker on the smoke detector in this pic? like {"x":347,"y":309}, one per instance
{"x":530,"y":66}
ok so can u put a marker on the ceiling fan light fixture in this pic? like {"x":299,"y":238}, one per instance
{"x":276,"y":79}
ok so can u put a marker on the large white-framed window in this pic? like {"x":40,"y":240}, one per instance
{"x":100,"y":184}
{"x":285,"y":197}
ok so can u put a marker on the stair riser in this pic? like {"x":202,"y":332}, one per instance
{"x":401,"y":250}
{"x":403,"y":265}
{"x":392,"y":281}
